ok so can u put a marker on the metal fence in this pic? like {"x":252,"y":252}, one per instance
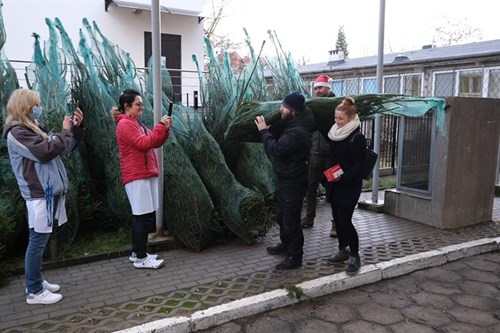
{"x":481,"y":81}
{"x":465,"y":82}
{"x":185,"y":83}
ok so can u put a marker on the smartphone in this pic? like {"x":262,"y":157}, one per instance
{"x":170,"y":107}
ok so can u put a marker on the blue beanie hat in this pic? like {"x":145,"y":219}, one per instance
{"x":295,"y":102}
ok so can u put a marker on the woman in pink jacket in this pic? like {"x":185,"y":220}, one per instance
{"x":139,"y":171}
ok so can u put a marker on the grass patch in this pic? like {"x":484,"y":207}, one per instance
{"x":383,"y":183}
{"x":99,"y":242}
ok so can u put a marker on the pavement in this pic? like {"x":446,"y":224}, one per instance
{"x":415,"y":278}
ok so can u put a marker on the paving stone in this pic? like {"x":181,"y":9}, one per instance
{"x":234,"y":270}
{"x":426,"y":316}
{"x":437,"y":301}
{"x":476,"y":302}
{"x":336,"y":313}
{"x":408,"y":327}
{"x":461,"y":328}
{"x":380,"y":314}
{"x":391,"y":299}
{"x":314,"y":325}
{"x":363,"y":326}
{"x":473,"y":317}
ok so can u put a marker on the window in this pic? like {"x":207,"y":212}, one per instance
{"x":337,"y":88}
{"x":443,"y":84}
{"x":391,"y":85}
{"x":494,"y":83}
{"x":470,"y":83}
{"x":415,"y":146}
{"x":351,"y":87}
{"x":370,"y":86}
{"x":412,"y":85}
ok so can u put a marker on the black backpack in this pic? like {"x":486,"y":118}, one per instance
{"x":371,"y":159}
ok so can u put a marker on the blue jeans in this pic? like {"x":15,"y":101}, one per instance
{"x":33,"y":260}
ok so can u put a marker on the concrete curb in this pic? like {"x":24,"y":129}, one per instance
{"x":248,"y":306}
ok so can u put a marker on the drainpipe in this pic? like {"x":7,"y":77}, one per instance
{"x":156,"y":39}
{"x":380,"y":75}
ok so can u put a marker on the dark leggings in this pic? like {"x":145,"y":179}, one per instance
{"x":142,"y":225}
{"x":346,"y":232}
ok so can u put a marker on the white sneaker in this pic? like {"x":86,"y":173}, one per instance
{"x":52,"y":287}
{"x":43,"y":297}
{"x":133,"y":256}
{"x":149,"y":262}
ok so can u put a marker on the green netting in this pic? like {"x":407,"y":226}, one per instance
{"x":223,"y":92}
{"x":286,"y":78}
{"x":241,"y":209}
{"x":189,"y":211}
{"x":12,"y":210}
{"x":50,"y":69}
{"x":188,"y":207}
{"x":369,"y":105}
{"x":100,"y":141}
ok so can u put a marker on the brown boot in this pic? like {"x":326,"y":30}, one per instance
{"x":333,"y":232}
{"x":307,"y":222}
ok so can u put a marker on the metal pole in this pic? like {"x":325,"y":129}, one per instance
{"x":155,"y":28}
{"x":380,"y":75}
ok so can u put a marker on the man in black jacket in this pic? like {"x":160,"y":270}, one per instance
{"x":289,"y":150}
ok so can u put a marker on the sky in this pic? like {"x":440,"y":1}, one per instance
{"x":308,"y":29}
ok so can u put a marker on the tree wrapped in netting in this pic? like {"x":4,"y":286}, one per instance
{"x":241,"y":209}
{"x":49,"y":70}
{"x":285,"y":76}
{"x":222,"y":93}
{"x":12,"y":209}
{"x":189,"y":211}
{"x":368,"y":105}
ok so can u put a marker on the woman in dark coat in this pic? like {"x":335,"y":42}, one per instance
{"x":348,"y":147}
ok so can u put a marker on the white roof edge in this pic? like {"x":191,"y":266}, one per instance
{"x":146,"y":5}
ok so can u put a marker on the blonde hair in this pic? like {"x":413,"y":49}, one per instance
{"x":348,"y":106}
{"x":19,"y":109}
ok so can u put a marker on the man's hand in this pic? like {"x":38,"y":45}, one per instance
{"x":260,"y":122}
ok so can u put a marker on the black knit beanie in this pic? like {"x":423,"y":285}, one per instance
{"x":295,"y":102}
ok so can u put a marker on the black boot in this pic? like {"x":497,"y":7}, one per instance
{"x":341,"y":256}
{"x":354,"y":265}
{"x":290,"y":262}
{"x":277,"y":249}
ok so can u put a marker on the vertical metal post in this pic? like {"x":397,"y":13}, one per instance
{"x":380,"y":76}
{"x":155,"y":28}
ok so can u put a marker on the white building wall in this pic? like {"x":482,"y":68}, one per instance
{"x":119,"y":24}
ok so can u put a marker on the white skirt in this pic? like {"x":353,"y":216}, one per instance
{"x":143,"y":195}
{"x":38,"y":215}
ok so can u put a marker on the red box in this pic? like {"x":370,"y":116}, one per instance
{"x":333,"y":173}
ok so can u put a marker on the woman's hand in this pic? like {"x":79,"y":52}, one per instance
{"x":167,"y":121}
{"x":67,"y":123}
{"x":77,"y":117}
{"x":260,"y":122}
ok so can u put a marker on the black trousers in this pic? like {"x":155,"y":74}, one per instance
{"x":142,"y":225}
{"x":346,"y":232}
{"x":288,"y":209}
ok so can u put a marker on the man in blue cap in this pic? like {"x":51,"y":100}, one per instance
{"x":289,"y":148}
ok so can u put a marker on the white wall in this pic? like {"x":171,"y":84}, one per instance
{"x":120,"y":25}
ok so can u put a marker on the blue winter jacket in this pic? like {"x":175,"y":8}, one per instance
{"x":36,"y":162}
